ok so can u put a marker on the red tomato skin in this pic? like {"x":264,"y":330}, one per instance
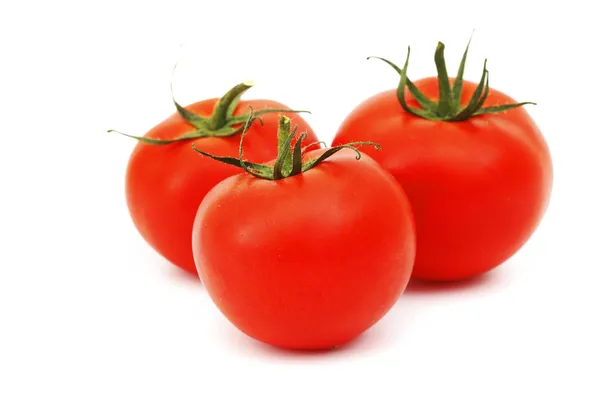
{"x":478,"y":188}
{"x":310,"y":261}
{"x":165,"y":184}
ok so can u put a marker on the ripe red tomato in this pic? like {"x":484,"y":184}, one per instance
{"x":165,"y":182}
{"x":308,"y":261}
{"x":479,"y":182}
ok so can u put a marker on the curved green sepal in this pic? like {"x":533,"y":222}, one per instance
{"x":297,"y":155}
{"x":423,"y":113}
{"x":486,"y":91}
{"x":197,"y":121}
{"x":313,"y":144}
{"x":445,"y":103}
{"x":476,"y":100}
{"x":458,"y":82}
{"x":159,"y":142}
{"x":229,"y":160}
{"x":417,"y":94}
{"x":331,"y":151}
{"x":501,"y":108}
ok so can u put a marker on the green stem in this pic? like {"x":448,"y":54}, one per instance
{"x":226,"y":105}
{"x":284,"y":139}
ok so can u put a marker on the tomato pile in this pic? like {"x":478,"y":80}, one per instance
{"x":302,"y":245}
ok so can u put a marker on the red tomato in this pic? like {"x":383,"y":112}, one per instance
{"x":478,"y":187}
{"x":166,"y":183}
{"x":309,"y":261}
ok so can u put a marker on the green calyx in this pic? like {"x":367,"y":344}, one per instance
{"x":289,"y":161}
{"x":221,"y":123}
{"x":448,"y":107}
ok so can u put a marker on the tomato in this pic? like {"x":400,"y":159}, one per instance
{"x":166,"y":181}
{"x":479,"y":182}
{"x":309,"y":260}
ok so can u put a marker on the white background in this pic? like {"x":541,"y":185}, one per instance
{"x":89,"y":311}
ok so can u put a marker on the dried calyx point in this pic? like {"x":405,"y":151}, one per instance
{"x":221,"y":123}
{"x":448,"y":107}
{"x":289,"y":161}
